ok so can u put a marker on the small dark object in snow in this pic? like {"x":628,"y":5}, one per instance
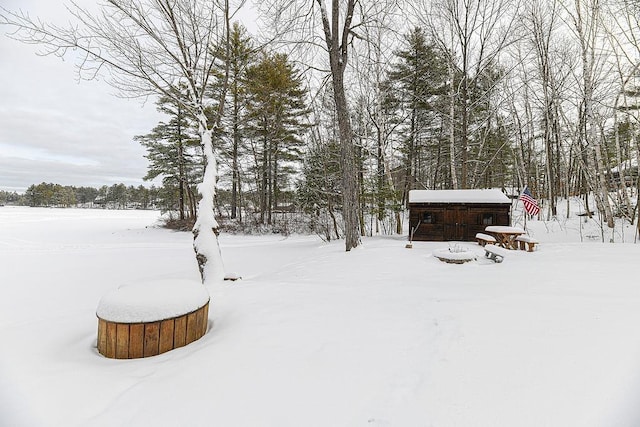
{"x":495,"y":253}
{"x":233,"y":277}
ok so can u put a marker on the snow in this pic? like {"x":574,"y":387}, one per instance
{"x":496,"y":250}
{"x":628,"y":164}
{"x":504,"y":229}
{"x":148,"y":302}
{"x":315,"y":336}
{"x":455,"y":254}
{"x":527,"y":239}
{"x":206,"y":242}
{"x":458,"y":196}
{"x":486,"y":237}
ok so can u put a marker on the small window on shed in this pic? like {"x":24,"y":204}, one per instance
{"x":428,"y":218}
{"x":488,"y":219}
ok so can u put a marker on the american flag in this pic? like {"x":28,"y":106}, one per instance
{"x":530,"y":204}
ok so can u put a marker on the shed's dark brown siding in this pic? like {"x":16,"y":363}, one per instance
{"x":454,"y":221}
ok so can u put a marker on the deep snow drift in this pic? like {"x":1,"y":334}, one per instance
{"x":314,"y":336}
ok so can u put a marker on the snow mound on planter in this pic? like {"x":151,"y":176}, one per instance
{"x":148,"y":302}
{"x":455,"y":254}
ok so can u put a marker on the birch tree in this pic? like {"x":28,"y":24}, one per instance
{"x":475,"y":33}
{"x":585,"y":20}
{"x":541,"y":19}
{"x":149,"y":48}
{"x":623,"y":31}
{"x":375,"y":120}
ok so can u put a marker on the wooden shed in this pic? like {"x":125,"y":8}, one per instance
{"x":444,"y":215}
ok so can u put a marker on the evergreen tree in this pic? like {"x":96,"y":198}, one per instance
{"x":172,"y":154}
{"x":86,"y":195}
{"x":12,"y":198}
{"x":276,"y":114}
{"x":319,"y":193}
{"x":417,"y":87}
{"x":242,"y":55}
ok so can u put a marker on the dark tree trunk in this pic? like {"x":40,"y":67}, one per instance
{"x":234,"y":155}
{"x":337,"y":40}
{"x":181,"y":172}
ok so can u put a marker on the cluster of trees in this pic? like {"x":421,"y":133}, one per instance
{"x":116,"y":196}
{"x":261,"y":137}
{"x":10,"y":198}
{"x":472,"y":95}
{"x":341,"y":107}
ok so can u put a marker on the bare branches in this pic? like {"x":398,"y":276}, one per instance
{"x":143,"y":48}
{"x":149,"y":47}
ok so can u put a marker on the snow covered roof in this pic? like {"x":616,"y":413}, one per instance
{"x":458,"y":196}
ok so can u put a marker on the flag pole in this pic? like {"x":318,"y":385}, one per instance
{"x":524,"y":211}
{"x":529,"y":204}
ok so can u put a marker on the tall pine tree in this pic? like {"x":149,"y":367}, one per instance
{"x":171,"y":151}
{"x":242,"y":55}
{"x":276,"y":118}
{"x":418,"y":81}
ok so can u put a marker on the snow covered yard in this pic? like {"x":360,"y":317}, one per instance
{"x":314,"y":336}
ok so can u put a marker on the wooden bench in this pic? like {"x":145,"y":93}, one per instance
{"x":495,"y":253}
{"x":484,"y":239}
{"x":529,"y":241}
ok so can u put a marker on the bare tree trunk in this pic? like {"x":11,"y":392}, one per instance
{"x":263,"y":182}
{"x":452,"y":129}
{"x":181,"y":177}
{"x":235,"y":175}
{"x":586,"y":28}
{"x":337,"y":46}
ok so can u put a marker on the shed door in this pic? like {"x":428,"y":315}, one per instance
{"x":455,"y":223}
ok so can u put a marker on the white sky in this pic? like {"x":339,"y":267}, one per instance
{"x":56,"y":129}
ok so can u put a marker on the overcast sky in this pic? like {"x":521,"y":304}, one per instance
{"x":56,"y":129}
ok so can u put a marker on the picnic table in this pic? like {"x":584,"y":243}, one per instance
{"x":505,"y":235}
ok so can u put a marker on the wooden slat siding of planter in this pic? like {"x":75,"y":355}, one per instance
{"x":151,"y":339}
{"x":136,"y":340}
{"x":122,"y":341}
{"x":111,"y":340}
{"x":180,"y":332}
{"x":166,"y":335}
{"x":102,"y":335}
{"x":206,"y":320}
{"x":192,"y":327}
{"x":199,"y":321}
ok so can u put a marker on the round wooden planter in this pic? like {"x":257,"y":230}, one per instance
{"x":141,"y":329}
{"x":135,"y":340}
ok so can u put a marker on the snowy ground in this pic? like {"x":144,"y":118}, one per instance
{"x":314,"y":336}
